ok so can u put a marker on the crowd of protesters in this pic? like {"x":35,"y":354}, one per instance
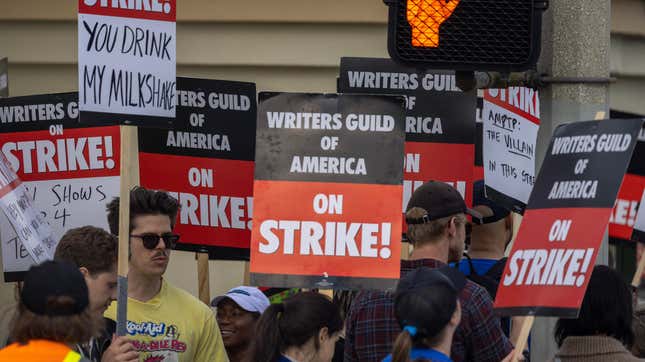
{"x":440,"y":311}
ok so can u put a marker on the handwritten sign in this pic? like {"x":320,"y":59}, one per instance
{"x":69,"y":171}
{"x":127,"y":61}
{"x":511,"y":119}
{"x":32,"y":230}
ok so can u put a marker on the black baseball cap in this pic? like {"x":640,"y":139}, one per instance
{"x":425,"y":277}
{"x":480,"y":199}
{"x":426,"y":299}
{"x":439,"y":200}
{"x":54,"y":279}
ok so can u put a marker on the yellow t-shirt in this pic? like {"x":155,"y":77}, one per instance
{"x":173,"y":326}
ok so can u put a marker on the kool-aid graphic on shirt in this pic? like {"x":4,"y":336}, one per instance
{"x":165,"y":349}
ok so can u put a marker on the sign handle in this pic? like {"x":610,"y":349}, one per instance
{"x":129,"y":158}
{"x":636,"y":281}
{"x":405,"y":251}
{"x":247,"y":273}
{"x":522,"y":339}
{"x":203,"y":280}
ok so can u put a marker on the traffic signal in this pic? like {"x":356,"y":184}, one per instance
{"x":495,"y":35}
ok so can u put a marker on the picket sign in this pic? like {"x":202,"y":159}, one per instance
{"x":129,"y":179}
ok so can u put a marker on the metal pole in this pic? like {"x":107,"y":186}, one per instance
{"x":575,"y":43}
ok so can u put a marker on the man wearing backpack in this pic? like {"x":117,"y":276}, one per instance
{"x":484,"y":264}
{"x":485,"y":261}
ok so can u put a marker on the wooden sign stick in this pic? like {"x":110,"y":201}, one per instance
{"x":522,"y":339}
{"x":203,"y":278}
{"x":129,"y":157}
{"x":636,"y":281}
{"x":247,"y":273}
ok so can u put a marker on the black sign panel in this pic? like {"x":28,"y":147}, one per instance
{"x":584,"y":167}
{"x":336,"y":126}
{"x":436,"y":109}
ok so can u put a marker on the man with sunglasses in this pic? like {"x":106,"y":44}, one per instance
{"x":165,"y":323}
{"x":436,"y":218}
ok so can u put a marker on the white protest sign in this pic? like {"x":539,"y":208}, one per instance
{"x":127,"y":61}
{"x":511,"y":121}
{"x":32,"y":231}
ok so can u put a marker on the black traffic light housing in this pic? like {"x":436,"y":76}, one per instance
{"x":484,"y":35}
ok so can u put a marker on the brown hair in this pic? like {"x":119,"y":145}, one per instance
{"x":420,"y":234}
{"x":402,"y":347}
{"x":143,"y":202}
{"x":89,"y":247}
{"x":69,"y":329}
{"x":293,"y":323}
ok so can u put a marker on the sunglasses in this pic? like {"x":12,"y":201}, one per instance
{"x":150,"y":241}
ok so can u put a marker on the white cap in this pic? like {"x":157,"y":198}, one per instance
{"x":251,"y":299}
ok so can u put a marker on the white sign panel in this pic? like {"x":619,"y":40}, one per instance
{"x":127,"y":61}
{"x":511,"y":121}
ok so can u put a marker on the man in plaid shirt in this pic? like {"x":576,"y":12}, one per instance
{"x":436,"y":227}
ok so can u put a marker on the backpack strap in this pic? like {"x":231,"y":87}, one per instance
{"x":470,"y":264}
{"x":495,"y":271}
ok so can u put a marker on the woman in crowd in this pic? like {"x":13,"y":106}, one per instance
{"x":237,"y":314}
{"x":53,"y":315}
{"x":427,"y":308}
{"x":603,"y":330}
{"x":303,"y":328}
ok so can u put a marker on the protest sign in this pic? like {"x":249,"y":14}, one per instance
{"x":553,"y":255}
{"x":32,"y":231}
{"x":327,"y":191}
{"x":511,"y":118}
{"x":439,"y":120}
{"x":623,"y":216}
{"x":70,"y":171}
{"x":127,"y":61}
{"x":206,"y":162}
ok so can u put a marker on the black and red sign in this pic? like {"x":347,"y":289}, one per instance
{"x":553,"y":256}
{"x":327,"y":191}
{"x":623,"y":216}
{"x":439,"y":120}
{"x":71,"y":171}
{"x":206,"y":162}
